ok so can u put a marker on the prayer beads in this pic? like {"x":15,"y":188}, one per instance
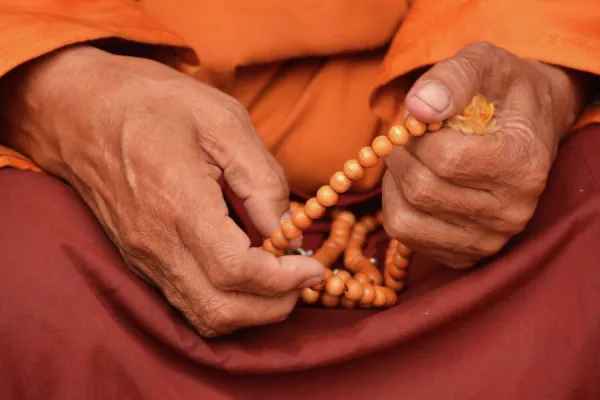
{"x":361,"y":284}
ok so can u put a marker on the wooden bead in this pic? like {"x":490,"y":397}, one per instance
{"x":381,"y":297}
{"x":391,"y":297}
{"x":301,"y":220}
{"x":329,"y":301}
{"x":313,"y":209}
{"x":368,"y":294}
{"x":374,"y":276}
{"x":289,"y":230}
{"x":369,"y":222}
{"x":360,"y":228}
{"x":382,"y":146}
{"x":399,"y":261}
{"x":340,"y":182}
{"x":395,"y":272}
{"x":294,"y":205}
{"x":326,"y":196}
{"x":434,"y":127}
{"x":367,"y":157}
{"x":393,"y":284}
{"x":334,"y":286}
{"x":346,"y":216}
{"x":353,"y":290}
{"x":345,"y":275}
{"x":268,"y":246}
{"x":347,"y":303}
{"x":362,"y":278}
{"x":353,"y":170}
{"x":403,"y":250}
{"x":399,"y":135}
{"x":279,"y":240}
{"x":415,"y":127}
{"x":309,"y":296}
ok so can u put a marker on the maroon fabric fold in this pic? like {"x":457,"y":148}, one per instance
{"x":76,"y":324}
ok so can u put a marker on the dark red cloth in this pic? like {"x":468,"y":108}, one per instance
{"x":76,"y":324}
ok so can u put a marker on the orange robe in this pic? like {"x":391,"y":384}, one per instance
{"x":319,"y":79}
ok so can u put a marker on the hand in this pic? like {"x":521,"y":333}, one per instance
{"x":145,"y":145}
{"x":459,"y":198}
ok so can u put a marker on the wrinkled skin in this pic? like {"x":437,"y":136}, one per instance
{"x":144,"y":145}
{"x":459,"y":198}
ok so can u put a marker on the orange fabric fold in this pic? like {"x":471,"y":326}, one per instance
{"x":320,"y":79}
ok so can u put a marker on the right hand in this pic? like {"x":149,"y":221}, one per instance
{"x":144,"y":145}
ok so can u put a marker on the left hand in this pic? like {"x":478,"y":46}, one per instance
{"x":459,"y":198}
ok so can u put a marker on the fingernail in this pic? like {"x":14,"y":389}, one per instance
{"x":435,"y":95}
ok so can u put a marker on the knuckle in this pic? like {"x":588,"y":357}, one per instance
{"x":418,"y":184}
{"x":448,"y":156}
{"x":490,"y":245}
{"x":225,"y":275}
{"x":397,"y":225}
{"x":515,"y":219}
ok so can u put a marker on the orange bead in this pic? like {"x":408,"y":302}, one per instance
{"x":334,"y":286}
{"x":353,"y":170}
{"x":313,"y":209}
{"x":294,"y":205}
{"x":362,"y":278}
{"x":381,"y":296}
{"x":368,"y":294}
{"x":374,"y":275}
{"x":290,"y":231}
{"x":309,"y":296}
{"x":403,"y":250}
{"x":382,"y":146}
{"x":367,"y":157}
{"x":399,"y":135}
{"x":329,"y":301}
{"x":391,"y":297}
{"x":268,"y":246}
{"x":346,"y":216}
{"x":434,"y":127}
{"x":301,"y":220}
{"x":347,"y":303}
{"x":341,"y":224}
{"x":369,"y":222}
{"x":279,"y":240}
{"x":353,"y":290}
{"x":345,"y":275}
{"x":399,"y":261}
{"x":415,"y":127}
{"x":326,"y":196}
{"x":340,"y":182}
{"x":361,"y":228}
{"x":395,"y":272}
{"x":393,"y":284}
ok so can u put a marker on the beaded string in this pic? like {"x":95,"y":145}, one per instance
{"x":361,"y":284}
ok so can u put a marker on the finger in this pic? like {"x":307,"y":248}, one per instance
{"x":454,"y":204}
{"x":242,"y":310}
{"x":215,"y":312}
{"x":423,"y":232}
{"x":223,"y":251}
{"x":449,"y":86}
{"x":249,"y":169}
{"x":463,"y":160}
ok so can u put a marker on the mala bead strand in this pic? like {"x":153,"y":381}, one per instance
{"x":341,"y":288}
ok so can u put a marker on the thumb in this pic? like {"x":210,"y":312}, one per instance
{"x":449,"y":86}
